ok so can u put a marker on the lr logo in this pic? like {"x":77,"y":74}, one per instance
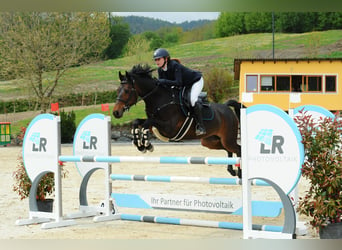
{"x":89,"y":141}
{"x":38,"y":143}
{"x":270,"y":143}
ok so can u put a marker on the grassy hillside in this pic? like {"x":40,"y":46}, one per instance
{"x":199,"y":55}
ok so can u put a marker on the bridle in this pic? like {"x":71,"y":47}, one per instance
{"x":134,"y":94}
{"x":133,"y":91}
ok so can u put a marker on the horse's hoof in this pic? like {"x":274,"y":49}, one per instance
{"x":142,"y":149}
{"x":150,"y":148}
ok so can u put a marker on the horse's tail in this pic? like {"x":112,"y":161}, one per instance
{"x":236,"y":105}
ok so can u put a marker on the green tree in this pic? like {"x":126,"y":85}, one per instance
{"x":41,"y":47}
{"x":258,"y":22}
{"x":229,"y":24}
{"x":119,"y":35}
{"x":170,"y":35}
{"x":154,"y":39}
{"x":202,"y":33}
{"x":295,"y":22}
{"x":150,"y":35}
{"x":156,"y":43}
{"x":329,"y":20}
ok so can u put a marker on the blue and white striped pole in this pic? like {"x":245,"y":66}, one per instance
{"x":162,"y":159}
{"x":200,"y":223}
{"x":184,"y":179}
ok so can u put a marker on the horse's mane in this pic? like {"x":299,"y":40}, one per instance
{"x":142,"y":70}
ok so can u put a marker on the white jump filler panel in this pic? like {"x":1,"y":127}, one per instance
{"x":271,"y":152}
{"x":41,"y":148}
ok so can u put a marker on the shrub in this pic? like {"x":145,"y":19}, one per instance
{"x":322,"y":168}
{"x":218,"y":83}
{"x":68,"y":126}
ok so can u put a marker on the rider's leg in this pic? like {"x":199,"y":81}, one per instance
{"x":200,"y":129}
{"x":197,"y":107}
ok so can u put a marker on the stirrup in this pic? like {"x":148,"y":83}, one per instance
{"x":200,"y":130}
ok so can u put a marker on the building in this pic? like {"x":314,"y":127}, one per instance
{"x":289,"y":83}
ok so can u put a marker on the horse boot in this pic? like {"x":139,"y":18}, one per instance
{"x":200,"y":129}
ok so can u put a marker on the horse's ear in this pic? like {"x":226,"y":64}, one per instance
{"x":127,"y":76}
{"x":121,"y":76}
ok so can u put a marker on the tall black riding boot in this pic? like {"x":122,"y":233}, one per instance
{"x":200,"y":129}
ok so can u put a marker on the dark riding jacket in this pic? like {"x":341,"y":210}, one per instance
{"x":178,"y":75}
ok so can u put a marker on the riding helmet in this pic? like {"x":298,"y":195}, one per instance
{"x":159,"y":53}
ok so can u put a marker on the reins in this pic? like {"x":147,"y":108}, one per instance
{"x":144,"y":97}
{"x":126,"y":103}
{"x":150,"y":93}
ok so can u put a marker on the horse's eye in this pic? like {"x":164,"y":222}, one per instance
{"x":126,"y":91}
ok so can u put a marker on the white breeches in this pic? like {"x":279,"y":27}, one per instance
{"x":195,"y":91}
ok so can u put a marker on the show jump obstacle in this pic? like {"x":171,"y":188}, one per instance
{"x":272,"y":153}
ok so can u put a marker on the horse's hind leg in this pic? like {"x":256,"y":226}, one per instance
{"x":214,"y":142}
{"x":230,"y":145}
{"x":230,"y":167}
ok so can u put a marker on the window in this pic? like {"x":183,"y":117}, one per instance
{"x":267,"y":83}
{"x":330,"y":83}
{"x":296,"y":83}
{"x":252,"y":83}
{"x":283,"y":83}
{"x":314,"y":83}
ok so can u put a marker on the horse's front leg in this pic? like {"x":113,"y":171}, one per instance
{"x":146,"y":135}
{"x":141,"y":135}
{"x":136,"y":125}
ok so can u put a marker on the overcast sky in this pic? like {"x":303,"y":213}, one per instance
{"x":173,"y":17}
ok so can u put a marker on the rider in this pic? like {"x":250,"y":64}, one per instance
{"x":172,"y":73}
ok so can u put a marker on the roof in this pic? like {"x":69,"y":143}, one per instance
{"x":289,"y":59}
{"x":238,"y":61}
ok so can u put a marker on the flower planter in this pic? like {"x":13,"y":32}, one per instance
{"x":331,"y":231}
{"x":45,"y":205}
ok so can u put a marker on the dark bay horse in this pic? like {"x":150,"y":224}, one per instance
{"x":167,"y":116}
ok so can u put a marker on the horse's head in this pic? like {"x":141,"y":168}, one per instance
{"x":135,"y":83}
{"x":126,"y":95}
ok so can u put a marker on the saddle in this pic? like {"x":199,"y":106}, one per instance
{"x":184,"y":100}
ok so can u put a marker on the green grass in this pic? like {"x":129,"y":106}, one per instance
{"x":137,"y":111}
{"x":200,"y":55}
{"x":220,"y":52}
